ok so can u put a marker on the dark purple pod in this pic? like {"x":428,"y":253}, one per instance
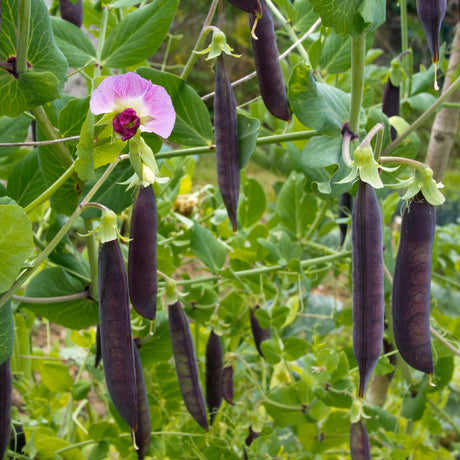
{"x":227,"y":147}
{"x":411,"y":285}
{"x":98,"y":357}
{"x":6,"y":387}
{"x":227,"y":384}
{"x":431,"y":14}
{"x":390,"y":103}
{"x":345,"y":207}
{"x":17,"y":439}
{"x":214,"y":368}
{"x":268,"y":67}
{"x":72,"y":12}
{"x":115,"y":332}
{"x":250,"y":6}
{"x":367,"y":276}
{"x":258,"y":333}
{"x":250,"y":437}
{"x":142,"y":256}
{"x":360,"y":447}
{"x":186,"y":364}
{"x":143,"y":434}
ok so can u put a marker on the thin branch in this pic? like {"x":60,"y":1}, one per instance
{"x":57,"y":299}
{"x":35,"y":143}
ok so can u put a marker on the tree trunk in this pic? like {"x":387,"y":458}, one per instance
{"x":445,"y":126}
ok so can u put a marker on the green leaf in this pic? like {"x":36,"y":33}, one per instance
{"x":410,"y":146}
{"x":294,"y":348}
{"x":25,"y":182}
{"x":351,"y":17}
{"x":271,"y":350}
{"x":84,"y":164}
{"x":207,"y":248}
{"x":45,"y":78}
{"x":193,"y":125}
{"x":13,"y":130}
{"x":336,"y":54}
{"x":56,"y":376}
{"x":54,"y":282}
{"x":16,"y":243}
{"x":65,"y":199}
{"x":139,"y":35}
{"x":248,"y":130}
{"x":414,"y":403}
{"x":295,"y":207}
{"x":318,"y":106}
{"x":72,"y":41}
{"x":72,"y":116}
{"x":6,"y":332}
{"x":112,"y":193}
{"x":251,"y":206}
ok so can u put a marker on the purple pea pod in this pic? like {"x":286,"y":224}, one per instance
{"x":72,"y":11}
{"x":345,"y":207}
{"x":115,"y":332}
{"x":227,"y":143}
{"x":227,"y":384}
{"x":214,"y":368}
{"x":411,"y":285}
{"x":360,"y":447}
{"x":268,"y":67}
{"x":143,"y":434}
{"x":368,"y":287}
{"x":259,"y":333}
{"x":431,"y":14}
{"x":142,"y":256}
{"x":250,"y":6}
{"x":390,"y":104}
{"x":6,"y":387}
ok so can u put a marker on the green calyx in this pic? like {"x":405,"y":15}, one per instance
{"x":218,"y":45}
{"x":422,"y":181}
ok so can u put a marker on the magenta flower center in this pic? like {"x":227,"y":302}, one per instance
{"x":126,"y":124}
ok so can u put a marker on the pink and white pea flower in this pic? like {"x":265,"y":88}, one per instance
{"x":133,"y":103}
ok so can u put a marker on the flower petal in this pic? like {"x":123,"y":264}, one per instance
{"x":151,"y":103}
{"x":159,"y":108}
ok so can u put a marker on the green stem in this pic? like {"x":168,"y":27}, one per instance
{"x":445,"y":416}
{"x":278,"y":138}
{"x":289,"y":30}
{"x":61,"y":150}
{"x":57,"y":238}
{"x":22,"y":43}
{"x":444,"y":341}
{"x":91,"y":248}
{"x":406,"y":161}
{"x":270,"y":269}
{"x":51,"y":189}
{"x":199,"y":43}
{"x":318,"y":219}
{"x":57,"y":299}
{"x":358,"y":64}
{"x":100,"y":43}
{"x":423,"y":117}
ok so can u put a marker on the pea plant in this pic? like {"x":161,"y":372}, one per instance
{"x":226,"y":246}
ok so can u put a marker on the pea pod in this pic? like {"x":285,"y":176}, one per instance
{"x":72,"y":11}
{"x":367,"y":277}
{"x":360,"y":447}
{"x":143,"y":434}
{"x":268,"y":67}
{"x":115,"y":332}
{"x":259,"y":333}
{"x":6,"y":387}
{"x":390,"y":104}
{"x":227,"y":384}
{"x":431,"y":14}
{"x":186,"y":364}
{"x":411,"y":285}
{"x":227,"y":147}
{"x":214,"y":368}
{"x":18,"y":439}
{"x":250,"y":6}
{"x":142,"y":256}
